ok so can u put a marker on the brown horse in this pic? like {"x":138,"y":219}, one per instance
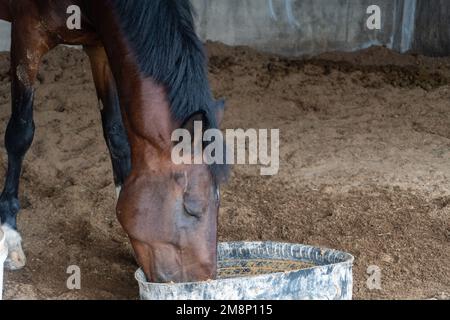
{"x":150,"y":73}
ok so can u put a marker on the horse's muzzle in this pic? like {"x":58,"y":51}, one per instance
{"x":167,"y":263}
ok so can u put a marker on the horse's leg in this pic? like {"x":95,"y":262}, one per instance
{"x":113,"y":128}
{"x":29,"y":44}
{"x":5,"y":10}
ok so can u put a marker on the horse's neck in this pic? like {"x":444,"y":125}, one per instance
{"x":150,"y":119}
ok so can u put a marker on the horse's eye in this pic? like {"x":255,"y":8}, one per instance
{"x":194,"y":208}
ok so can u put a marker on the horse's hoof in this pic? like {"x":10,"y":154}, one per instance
{"x":16,"y":259}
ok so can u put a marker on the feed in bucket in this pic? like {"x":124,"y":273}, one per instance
{"x":265,"y":271}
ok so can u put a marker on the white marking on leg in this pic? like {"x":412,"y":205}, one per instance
{"x":100,"y":105}
{"x":13,"y":238}
{"x":16,"y":258}
{"x":118,"y":190}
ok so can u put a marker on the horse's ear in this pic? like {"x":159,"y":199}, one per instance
{"x":219,"y":111}
{"x":189,"y":125}
{"x":199,"y":116}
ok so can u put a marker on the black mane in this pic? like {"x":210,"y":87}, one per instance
{"x":162,"y":36}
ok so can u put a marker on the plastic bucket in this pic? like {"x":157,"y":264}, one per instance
{"x":265,"y":271}
{"x":3,"y":255}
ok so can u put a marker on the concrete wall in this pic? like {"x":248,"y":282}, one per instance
{"x":298,"y":27}
{"x":433,"y":32}
{"x":5,"y":31}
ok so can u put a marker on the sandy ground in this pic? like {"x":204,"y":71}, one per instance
{"x":365,"y":149}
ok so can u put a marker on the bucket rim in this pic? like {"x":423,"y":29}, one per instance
{"x":348,"y":260}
